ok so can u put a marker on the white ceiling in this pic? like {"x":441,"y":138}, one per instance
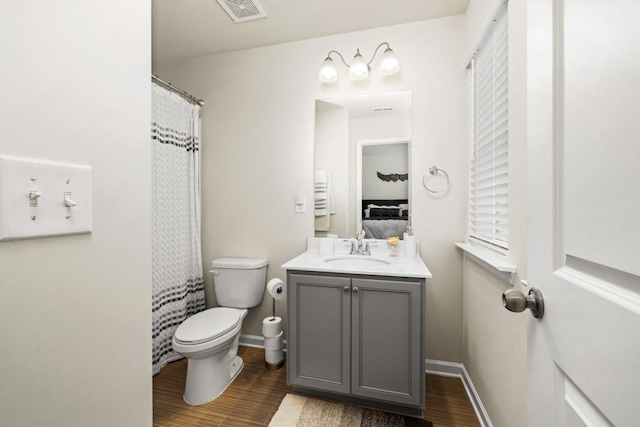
{"x":190,"y":28}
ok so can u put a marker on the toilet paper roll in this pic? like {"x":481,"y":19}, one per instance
{"x":271,"y":327}
{"x":273,"y":343}
{"x":275,"y":287}
{"x":273,"y":356}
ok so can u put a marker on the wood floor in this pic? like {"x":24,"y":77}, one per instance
{"x":253,"y":398}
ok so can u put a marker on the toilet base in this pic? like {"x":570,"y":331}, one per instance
{"x":208,"y":378}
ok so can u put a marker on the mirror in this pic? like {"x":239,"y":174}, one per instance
{"x":362,"y":162}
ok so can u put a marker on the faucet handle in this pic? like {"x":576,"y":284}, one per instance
{"x":366,"y":250}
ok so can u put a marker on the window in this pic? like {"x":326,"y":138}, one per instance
{"x":489,"y":174}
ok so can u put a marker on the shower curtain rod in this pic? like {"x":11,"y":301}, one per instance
{"x":174,"y":89}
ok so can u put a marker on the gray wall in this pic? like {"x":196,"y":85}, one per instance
{"x":75,"y":317}
{"x":257,"y":152}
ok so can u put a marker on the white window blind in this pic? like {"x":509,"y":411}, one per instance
{"x":489,"y":175}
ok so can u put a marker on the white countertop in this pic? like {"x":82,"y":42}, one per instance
{"x":318,"y":251}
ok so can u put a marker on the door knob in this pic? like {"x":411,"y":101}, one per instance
{"x":346,"y":289}
{"x":515,"y":301}
{"x":355,"y":289}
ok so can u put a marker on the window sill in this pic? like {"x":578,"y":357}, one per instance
{"x":493,"y":263}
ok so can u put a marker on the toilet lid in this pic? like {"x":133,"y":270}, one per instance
{"x":207,"y":325}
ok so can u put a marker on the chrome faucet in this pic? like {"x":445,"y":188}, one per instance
{"x":358,"y":247}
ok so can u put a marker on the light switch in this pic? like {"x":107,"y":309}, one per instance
{"x":39,"y":198}
{"x":34,"y":195}
{"x":301,"y":203}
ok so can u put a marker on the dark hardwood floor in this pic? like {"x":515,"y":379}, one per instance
{"x":253,"y":398}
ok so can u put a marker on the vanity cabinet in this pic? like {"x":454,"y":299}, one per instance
{"x":357,"y":335}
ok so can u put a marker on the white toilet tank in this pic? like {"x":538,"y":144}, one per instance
{"x":239,"y":282}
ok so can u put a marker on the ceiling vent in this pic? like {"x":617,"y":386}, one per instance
{"x":243,"y":10}
{"x":382,"y":109}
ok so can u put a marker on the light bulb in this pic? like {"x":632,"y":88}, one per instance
{"x":359,"y":68}
{"x":389,"y":63}
{"x":328,"y":71}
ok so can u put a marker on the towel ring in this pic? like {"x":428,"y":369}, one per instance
{"x":434,"y":170}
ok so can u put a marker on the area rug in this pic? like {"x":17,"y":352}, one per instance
{"x":302,"y":411}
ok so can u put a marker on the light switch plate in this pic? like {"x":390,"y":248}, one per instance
{"x":20,"y":219}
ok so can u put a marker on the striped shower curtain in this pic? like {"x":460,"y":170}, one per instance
{"x":177,"y":284}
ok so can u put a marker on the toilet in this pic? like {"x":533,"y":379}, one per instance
{"x":209,"y":339}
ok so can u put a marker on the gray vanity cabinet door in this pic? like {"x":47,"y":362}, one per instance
{"x":386,"y":341}
{"x":319,"y":332}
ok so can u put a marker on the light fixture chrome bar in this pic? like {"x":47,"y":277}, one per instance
{"x":340,"y":55}
{"x":192,"y":99}
{"x":375,"y":52}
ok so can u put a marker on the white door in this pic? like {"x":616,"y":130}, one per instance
{"x":584,"y":211}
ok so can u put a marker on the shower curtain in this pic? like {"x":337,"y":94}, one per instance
{"x":177,"y":277}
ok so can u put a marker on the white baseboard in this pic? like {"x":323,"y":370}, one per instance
{"x":451,"y":369}
{"x":257,"y":341}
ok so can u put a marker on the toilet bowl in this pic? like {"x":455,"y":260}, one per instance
{"x":209,"y":339}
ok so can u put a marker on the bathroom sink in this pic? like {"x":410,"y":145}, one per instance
{"x":356,"y":261}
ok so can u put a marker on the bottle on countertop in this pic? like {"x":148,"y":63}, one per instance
{"x":411,"y":244}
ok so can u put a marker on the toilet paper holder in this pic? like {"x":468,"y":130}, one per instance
{"x":275,"y":288}
{"x":274,"y":358}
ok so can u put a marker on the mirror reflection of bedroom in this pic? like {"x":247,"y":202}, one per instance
{"x":362,"y":158}
{"x":383,"y":187}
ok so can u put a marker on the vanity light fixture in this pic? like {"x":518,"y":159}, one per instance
{"x":360,"y":68}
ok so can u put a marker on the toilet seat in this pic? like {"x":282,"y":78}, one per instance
{"x":207,"y":325}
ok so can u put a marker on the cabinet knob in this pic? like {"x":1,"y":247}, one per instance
{"x":346,"y":289}
{"x":355,"y":289}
